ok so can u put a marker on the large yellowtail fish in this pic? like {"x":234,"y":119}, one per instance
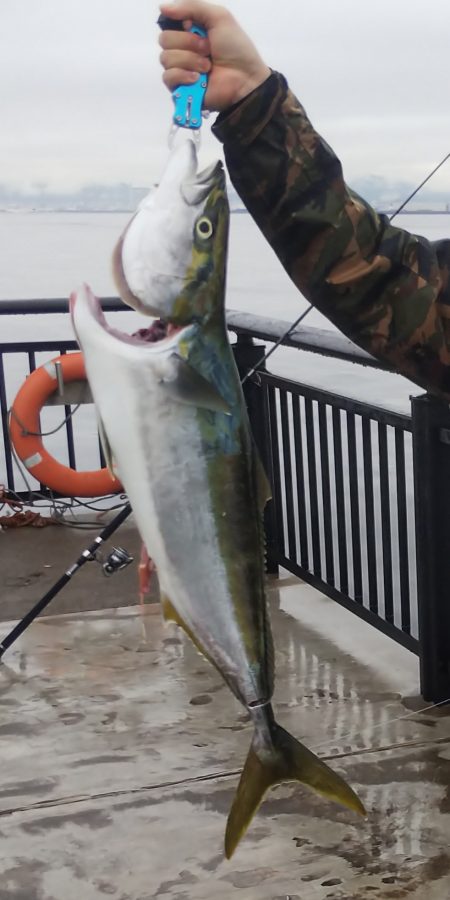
{"x":175,"y":424}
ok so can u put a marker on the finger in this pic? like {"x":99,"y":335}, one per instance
{"x":205,"y":14}
{"x":174,"y":77}
{"x":180,"y":40}
{"x":183,"y":59}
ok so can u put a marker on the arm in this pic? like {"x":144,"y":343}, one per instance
{"x":388,"y":290}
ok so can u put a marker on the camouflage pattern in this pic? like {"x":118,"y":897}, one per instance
{"x":386,"y":289}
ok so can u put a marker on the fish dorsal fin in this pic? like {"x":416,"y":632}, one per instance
{"x":106,"y":447}
{"x":186,"y":385}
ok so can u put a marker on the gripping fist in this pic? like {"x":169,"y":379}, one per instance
{"x":227,"y":55}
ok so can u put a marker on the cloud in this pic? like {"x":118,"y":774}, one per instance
{"x":82,"y":98}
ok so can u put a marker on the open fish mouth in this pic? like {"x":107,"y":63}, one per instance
{"x":159,"y":332}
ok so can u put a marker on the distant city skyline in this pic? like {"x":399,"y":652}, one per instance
{"x":122,"y":196}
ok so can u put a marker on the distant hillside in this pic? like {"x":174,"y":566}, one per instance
{"x":382,"y":194}
{"x":388,"y":195}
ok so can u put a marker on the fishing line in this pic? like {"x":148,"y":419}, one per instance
{"x":275,"y":346}
{"x":420,"y":187}
{"x":59,"y":507}
{"x":21,"y":467}
{"x":300,"y":319}
{"x":352,"y":735}
{"x":26,"y":432}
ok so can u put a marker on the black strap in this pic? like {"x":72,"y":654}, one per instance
{"x":167,"y":24}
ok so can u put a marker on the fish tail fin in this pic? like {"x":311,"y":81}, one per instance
{"x":286,"y":759}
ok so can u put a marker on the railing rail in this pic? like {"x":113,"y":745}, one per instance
{"x":314,"y":340}
{"x":354,"y":485}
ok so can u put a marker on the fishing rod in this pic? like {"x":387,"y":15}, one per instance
{"x":309,"y":309}
{"x":116,"y":560}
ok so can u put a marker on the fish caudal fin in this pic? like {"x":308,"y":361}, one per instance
{"x":285,"y":760}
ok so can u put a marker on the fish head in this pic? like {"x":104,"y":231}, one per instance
{"x":170,"y":262}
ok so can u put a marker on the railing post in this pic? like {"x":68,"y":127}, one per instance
{"x":431,"y":448}
{"x":5,"y":429}
{"x":247,"y":355}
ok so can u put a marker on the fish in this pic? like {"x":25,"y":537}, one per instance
{"x":176,"y":431}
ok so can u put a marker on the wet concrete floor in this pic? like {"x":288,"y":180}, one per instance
{"x":120,"y":750}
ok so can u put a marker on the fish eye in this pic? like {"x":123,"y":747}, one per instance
{"x":204,"y":228}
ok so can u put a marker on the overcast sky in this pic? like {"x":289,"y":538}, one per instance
{"x":81,"y":98}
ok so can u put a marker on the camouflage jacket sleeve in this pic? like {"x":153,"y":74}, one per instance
{"x":386,"y":289}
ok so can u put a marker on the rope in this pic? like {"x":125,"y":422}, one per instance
{"x":59,"y":507}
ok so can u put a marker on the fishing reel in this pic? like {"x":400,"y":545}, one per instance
{"x":118,"y":559}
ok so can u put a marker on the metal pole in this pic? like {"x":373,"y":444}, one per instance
{"x":431,"y":446}
{"x":84,"y":558}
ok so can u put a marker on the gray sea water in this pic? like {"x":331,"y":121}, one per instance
{"x":49,"y":254}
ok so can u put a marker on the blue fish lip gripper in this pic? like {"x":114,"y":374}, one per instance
{"x":188,"y":98}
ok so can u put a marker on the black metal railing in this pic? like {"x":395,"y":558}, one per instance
{"x":361,"y":505}
{"x":354,"y":486}
{"x":343,"y":497}
{"x":340,"y":491}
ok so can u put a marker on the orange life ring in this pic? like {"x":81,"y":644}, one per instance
{"x":27,"y":442}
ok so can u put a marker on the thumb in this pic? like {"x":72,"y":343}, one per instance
{"x":206,"y":14}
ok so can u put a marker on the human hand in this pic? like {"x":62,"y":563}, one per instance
{"x":231,"y":60}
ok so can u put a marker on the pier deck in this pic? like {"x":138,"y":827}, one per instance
{"x":120,"y":749}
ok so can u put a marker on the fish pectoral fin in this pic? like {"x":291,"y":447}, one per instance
{"x":189,"y":387}
{"x":286,"y":760}
{"x":106,"y":447}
